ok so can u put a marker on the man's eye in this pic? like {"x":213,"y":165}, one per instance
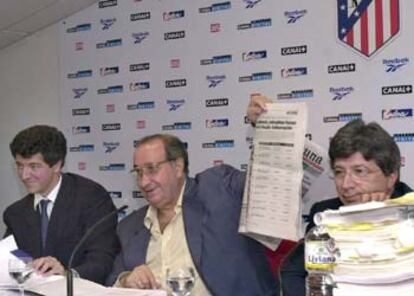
{"x":360,"y":172}
{"x":151,"y":169}
{"x":338,"y":173}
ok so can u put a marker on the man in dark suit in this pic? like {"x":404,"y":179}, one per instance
{"x":60,"y":207}
{"x":365,"y":162}
{"x":189,"y":222}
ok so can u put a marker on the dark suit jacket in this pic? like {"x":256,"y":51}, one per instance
{"x":229,"y":263}
{"x":293,"y":273}
{"x":79,"y":204}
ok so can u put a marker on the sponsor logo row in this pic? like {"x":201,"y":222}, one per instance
{"x":337,"y":93}
{"x":386,"y":114}
{"x":249,"y":56}
{"x":109,"y":147}
{"x":292,"y":16}
{"x":85,"y":129}
{"x":215,"y":7}
{"x":173,"y":105}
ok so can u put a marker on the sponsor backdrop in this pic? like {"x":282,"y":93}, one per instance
{"x":130,"y":68}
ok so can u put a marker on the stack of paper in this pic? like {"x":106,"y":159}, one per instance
{"x":376,"y":246}
{"x":405,"y":288}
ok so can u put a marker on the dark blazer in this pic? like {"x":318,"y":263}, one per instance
{"x":228,"y":262}
{"x":293,"y":273}
{"x":79,"y":204}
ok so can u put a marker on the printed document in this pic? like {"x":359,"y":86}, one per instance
{"x":272,"y":198}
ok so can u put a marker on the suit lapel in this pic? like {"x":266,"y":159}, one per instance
{"x":138,"y":253}
{"x":32,"y":220}
{"x":136,"y":247}
{"x":193,"y":219}
{"x":57,"y":219}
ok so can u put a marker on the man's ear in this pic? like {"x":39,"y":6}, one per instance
{"x":179,"y":167}
{"x":57,"y":167}
{"x":392,"y":180}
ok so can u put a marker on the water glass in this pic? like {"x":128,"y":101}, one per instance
{"x":20,"y":270}
{"x":180,"y":280}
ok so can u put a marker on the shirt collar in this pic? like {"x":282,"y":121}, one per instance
{"x":51,"y":196}
{"x":151,"y":216}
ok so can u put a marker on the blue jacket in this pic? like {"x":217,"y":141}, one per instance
{"x":228,"y":262}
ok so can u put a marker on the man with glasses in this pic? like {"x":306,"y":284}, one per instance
{"x":59,"y":209}
{"x":365,"y":163}
{"x":189,"y":222}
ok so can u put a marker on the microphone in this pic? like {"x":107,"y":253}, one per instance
{"x":69,"y":275}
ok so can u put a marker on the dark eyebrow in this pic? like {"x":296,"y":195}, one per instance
{"x":360,"y":166}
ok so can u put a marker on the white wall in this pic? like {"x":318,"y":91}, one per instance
{"x":29,"y":88}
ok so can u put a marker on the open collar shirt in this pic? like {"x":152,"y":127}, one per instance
{"x":169,"y":249}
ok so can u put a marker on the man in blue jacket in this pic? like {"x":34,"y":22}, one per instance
{"x":189,"y":222}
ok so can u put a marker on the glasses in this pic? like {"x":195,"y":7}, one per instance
{"x":356,"y":174}
{"x":149,"y":170}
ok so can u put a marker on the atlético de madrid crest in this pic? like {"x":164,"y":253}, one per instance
{"x":367,"y":25}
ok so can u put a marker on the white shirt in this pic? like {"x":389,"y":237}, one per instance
{"x":51,"y":197}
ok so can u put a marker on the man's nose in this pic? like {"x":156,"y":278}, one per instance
{"x":143,"y":180}
{"x":24,"y":173}
{"x":348,"y":181}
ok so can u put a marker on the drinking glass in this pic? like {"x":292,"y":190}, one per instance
{"x":180,"y":280}
{"x":20,"y":270}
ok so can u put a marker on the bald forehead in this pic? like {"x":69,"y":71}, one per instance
{"x":153,"y":147}
{"x":150,"y":143}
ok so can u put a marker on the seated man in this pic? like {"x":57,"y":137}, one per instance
{"x":60,"y":207}
{"x":365,"y":162}
{"x":189,"y":222}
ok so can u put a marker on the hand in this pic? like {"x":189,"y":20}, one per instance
{"x":257,"y":106}
{"x":360,"y":198}
{"x":47,"y":266}
{"x":140,"y":278}
{"x":374,"y":196}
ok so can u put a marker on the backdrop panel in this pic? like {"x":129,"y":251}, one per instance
{"x":130,"y":68}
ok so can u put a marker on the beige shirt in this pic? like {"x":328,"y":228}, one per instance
{"x":170,"y":249}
